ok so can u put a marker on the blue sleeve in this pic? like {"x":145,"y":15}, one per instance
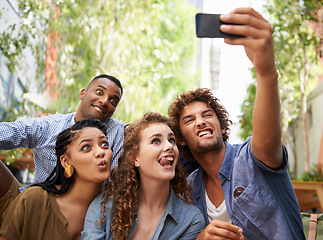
{"x":197,"y":225}
{"x":93,"y":229}
{"x":24,"y":133}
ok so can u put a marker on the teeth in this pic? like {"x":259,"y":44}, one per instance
{"x":205,"y":133}
{"x":98,"y":109}
{"x":166,"y":161}
{"x":170,"y":159}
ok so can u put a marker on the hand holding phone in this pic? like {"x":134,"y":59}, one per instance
{"x":208,"y":26}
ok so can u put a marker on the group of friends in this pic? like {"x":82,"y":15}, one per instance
{"x":97,"y":178}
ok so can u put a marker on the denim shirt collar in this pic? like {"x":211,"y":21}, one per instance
{"x":225,"y":172}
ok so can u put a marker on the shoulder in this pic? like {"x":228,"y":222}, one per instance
{"x":186,"y":207}
{"x":28,"y":200}
{"x":58,"y":117}
{"x":96,"y":205}
{"x":115,"y":123}
{"x":184,"y":210}
{"x":34,"y":193}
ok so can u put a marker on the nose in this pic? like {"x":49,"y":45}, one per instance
{"x":104,"y":100}
{"x":168,"y":147}
{"x":99,"y":152}
{"x":200,"y":121}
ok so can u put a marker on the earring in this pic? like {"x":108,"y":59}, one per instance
{"x":68,"y":171}
{"x":136,"y":164}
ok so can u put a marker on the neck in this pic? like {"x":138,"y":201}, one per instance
{"x":211,"y":161}
{"x":154,"y":195}
{"x":82,"y":193}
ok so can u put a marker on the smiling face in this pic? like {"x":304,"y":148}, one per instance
{"x":200,"y":128}
{"x":90,"y":155}
{"x":99,"y":100}
{"x":158,"y":153}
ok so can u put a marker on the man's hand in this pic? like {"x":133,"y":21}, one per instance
{"x":220,"y":230}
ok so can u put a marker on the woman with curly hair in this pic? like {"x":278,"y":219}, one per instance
{"x":148,"y":196}
{"x":56,"y":208}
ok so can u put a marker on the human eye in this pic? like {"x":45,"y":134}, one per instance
{"x":208,"y":114}
{"x":85,"y":147}
{"x":155,"y":141}
{"x":172,"y":140}
{"x":113,"y":102}
{"x":99,"y":91}
{"x":188,"y":120}
{"x":105,"y":144}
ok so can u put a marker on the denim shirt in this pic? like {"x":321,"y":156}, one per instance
{"x":258,"y":199}
{"x":181,"y":220}
{"x":40,"y":134}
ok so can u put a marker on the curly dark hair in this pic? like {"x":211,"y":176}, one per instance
{"x":199,"y":95}
{"x":125,"y":179}
{"x":63,"y":140}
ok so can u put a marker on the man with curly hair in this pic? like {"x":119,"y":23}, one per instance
{"x":243,"y":190}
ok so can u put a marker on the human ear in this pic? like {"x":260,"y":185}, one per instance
{"x":64,"y":160}
{"x":82,"y":93}
{"x":223,"y":131}
{"x":181,"y":141}
{"x":132,"y":159}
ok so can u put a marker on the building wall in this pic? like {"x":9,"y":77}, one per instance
{"x":314,"y":126}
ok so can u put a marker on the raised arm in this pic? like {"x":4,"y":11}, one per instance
{"x":258,"y":43}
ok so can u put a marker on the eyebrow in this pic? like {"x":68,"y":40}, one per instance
{"x":159,"y":135}
{"x":85,"y":140}
{"x":102,"y":87}
{"x":105,"y":137}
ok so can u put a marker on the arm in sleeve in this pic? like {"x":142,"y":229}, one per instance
{"x":21,"y":133}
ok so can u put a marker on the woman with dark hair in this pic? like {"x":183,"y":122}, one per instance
{"x":56,"y":208}
{"x":148,"y":195}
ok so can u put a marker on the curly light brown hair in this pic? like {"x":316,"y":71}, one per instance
{"x":199,"y":95}
{"x":125,"y":179}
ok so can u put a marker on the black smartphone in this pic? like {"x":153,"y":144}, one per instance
{"x":208,"y":26}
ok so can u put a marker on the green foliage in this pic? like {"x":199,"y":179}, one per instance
{"x":315,"y":174}
{"x":12,"y":154}
{"x":149,"y":45}
{"x":296,"y":47}
{"x":245,"y":118}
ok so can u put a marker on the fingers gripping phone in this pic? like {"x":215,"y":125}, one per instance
{"x":208,"y":26}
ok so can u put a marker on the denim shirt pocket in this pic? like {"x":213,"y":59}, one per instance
{"x":253,"y":205}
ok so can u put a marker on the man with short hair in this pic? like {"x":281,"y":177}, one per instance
{"x":244,"y":190}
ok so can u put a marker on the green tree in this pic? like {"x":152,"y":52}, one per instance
{"x":297,"y":57}
{"x":149,"y":45}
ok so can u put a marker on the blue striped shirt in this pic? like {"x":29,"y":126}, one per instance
{"x":40,"y":134}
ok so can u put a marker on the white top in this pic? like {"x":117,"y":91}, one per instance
{"x":218,"y":213}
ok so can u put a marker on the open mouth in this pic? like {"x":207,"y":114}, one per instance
{"x":102,"y":163}
{"x":98,"y":109}
{"x":205,"y":133}
{"x":166,"y":161}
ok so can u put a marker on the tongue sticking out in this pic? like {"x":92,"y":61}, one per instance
{"x":164,"y":162}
